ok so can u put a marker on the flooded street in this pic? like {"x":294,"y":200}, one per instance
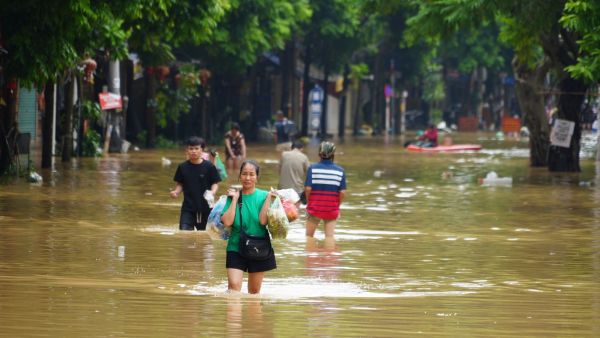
{"x":421,"y":249}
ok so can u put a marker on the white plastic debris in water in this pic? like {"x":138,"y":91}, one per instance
{"x":35,"y":177}
{"x":493,"y":180}
{"x":165,"y":161}
{"x":121,"y":251}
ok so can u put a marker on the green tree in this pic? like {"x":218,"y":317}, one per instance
{"x":44,"y":41}
{"x":330,"y":38}
{"x":157,"y":29}
{"x":583,"y":17}
{"x":248,"y":30}
{"x":541,"y":44}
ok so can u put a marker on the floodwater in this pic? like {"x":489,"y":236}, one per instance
{"x":421,"y":250}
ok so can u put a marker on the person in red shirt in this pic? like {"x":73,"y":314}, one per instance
{"x":430,"y":137}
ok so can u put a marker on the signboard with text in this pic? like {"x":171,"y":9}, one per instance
{"x":315,"y":105}
{"x":110,"y":101}
{"x":561,"y":134}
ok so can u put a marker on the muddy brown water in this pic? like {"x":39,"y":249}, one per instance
{"x":421,"y":250}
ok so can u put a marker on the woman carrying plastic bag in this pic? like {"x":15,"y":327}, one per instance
{"x":214,"y":226}
{"x":278,"y":223}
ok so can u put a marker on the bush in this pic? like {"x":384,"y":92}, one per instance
{"x":164,"y":143}
{"x":91,"y":144}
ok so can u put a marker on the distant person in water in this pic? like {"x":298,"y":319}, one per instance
{"x":325,"y":188}
{"x":293,"y":166}
{"x":198,"y":179}
{"x":430,"y":137}
{"x":235,"y":147}
{"x":283,"y":132}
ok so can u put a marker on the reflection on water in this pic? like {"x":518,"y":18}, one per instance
{"x":420,"y":248}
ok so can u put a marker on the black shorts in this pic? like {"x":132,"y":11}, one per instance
{"x":236,"y":261}
{"x":188,"y":220}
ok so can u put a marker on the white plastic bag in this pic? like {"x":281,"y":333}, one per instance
{"x":278,"y":223}
{"x":214,"y":226}
{"x":210,"y":198}
{"x":289,"y":194}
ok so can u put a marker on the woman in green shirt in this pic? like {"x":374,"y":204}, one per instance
{"x":254,"y":216}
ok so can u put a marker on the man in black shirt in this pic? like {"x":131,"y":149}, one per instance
{"x":198,"y":179}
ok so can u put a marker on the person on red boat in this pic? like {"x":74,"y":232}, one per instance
{"x":430,"y":137}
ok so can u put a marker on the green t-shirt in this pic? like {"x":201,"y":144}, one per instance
{"x":250,"y":215}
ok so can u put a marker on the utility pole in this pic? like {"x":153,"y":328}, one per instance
{"x":392,"y":97}
{"x":403,"y":112}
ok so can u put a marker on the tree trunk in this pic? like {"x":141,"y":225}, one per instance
{"x":8,"y":132}
{"x":79,"y":119}
{"x":569,"y":108}
{"x":343,"y":97}
{"x":204,"y":95}
{"x":150,"y":110}
{"x":325,"y":103}
{"x":47,"y":123}
{"x":528,"y":83}
{"x":294,"y":83}
{"x":306,"y":90}
{"x":357,"y":111}
{"x":376,"y":105}
{"x":67,"y":130}
{"x":287,"y":71}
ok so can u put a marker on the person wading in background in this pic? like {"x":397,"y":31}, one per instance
{"x":199,"y":181}
{"x":293,"y":167}
{"x":325,"y":188}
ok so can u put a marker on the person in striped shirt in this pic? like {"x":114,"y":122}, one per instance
{"x":325,"y":188}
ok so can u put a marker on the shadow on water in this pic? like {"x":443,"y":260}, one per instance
{"x":421,"y":248}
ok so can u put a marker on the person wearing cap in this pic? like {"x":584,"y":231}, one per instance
{"x":325,"y":188}
{"x":283,"y":129}
{"x":235,"y":147}
{"x":293,"y":167}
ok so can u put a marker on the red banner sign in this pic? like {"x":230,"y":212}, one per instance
{"x":110,"y":101}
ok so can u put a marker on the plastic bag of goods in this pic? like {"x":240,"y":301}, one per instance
{"x":214,"y":226}
{"x":277,"y":219}
{"x":291,"y":210}
{"x":221,"y":168}
{"x":288,"y":194}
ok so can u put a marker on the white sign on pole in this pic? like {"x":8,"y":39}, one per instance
{"x":561,"y":133}
{"x":315,"y":105}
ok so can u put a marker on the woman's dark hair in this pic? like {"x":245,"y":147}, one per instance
{"x":235,"y":125}
{"x":252,"y":163}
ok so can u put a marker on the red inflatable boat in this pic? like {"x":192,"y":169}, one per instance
{"x":441,"y":149}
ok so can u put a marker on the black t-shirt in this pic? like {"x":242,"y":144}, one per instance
{"x":196,"y":179}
